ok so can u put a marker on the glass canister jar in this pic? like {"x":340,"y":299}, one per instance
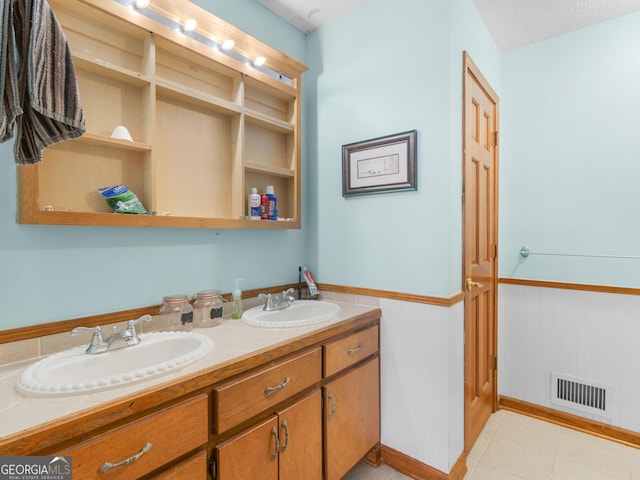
{"x":207,"y":308}
{"x":180,"y":311}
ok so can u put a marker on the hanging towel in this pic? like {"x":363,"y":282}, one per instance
{"x":9,"y":102}
{"x":40,"y":93}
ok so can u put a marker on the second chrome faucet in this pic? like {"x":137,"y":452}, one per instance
{"x":277,"y":302}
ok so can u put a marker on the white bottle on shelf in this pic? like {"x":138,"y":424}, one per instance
{"x":254,"y":204}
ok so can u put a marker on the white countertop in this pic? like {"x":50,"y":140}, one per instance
{"x":232,"y":339}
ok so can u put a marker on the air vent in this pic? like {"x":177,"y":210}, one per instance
{"x":579,"y":394}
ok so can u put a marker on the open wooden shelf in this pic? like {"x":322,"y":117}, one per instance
{"x":206,"y":126}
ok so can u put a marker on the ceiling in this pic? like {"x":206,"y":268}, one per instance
{"x":512,"y":23}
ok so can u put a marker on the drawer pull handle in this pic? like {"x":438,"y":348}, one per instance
{"x":274,"y":432}
{"x":268,"y":390}
{"x":286,"y":436}
{"x":353,"y":351}
{"x":333,"y":406}
{"x":106,"y":466}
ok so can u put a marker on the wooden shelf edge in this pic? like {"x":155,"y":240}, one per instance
{"x":97,"y":219}
{"x":260,"y":119}
{"x":107,"y":69}
{"x":270,"y":170}
{"x":104,"y":141}
{"x":195,"y":97}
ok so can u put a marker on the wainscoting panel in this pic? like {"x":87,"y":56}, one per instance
{"x":592,"y":336}
{"x":422,"y":376}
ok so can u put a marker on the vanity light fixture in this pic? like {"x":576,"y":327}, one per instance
{"x":189,"y":25}
{"x":188,"y":28}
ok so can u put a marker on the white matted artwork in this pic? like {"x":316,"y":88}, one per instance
{"x":381,"y":164}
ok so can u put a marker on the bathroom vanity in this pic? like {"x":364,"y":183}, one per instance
{"x":283,"y":403}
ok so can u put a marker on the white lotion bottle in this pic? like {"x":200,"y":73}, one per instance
{"x":254,"y":205}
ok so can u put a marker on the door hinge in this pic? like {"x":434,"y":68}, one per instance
{"x":212,"y":467}
{"x":495,"y":138}
{"x":495,"y":250}
{"x":495,"y":363}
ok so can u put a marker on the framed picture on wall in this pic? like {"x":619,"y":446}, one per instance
{"x":384,"y":164}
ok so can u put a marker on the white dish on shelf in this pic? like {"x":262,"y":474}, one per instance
{"x":122,"y":133}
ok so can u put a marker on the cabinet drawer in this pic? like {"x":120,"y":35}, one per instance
{"x":193,"y":468}
{"x":349,"y":350}
{"x":244,"y":397}
{"x":172,"y":432}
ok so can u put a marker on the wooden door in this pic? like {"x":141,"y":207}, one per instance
{"x":351,"y":418}
{"x":301,"y":439}
{"x":252,"y":454}
{"x":480,"y":248}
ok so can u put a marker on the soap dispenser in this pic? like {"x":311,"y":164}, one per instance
{"x":236,"y":313}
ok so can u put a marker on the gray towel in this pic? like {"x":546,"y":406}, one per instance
{"x":40,"y":93}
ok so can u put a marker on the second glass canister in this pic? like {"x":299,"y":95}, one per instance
{"x":207,"y":308}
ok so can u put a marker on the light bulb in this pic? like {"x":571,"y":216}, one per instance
{"x":189,"y":25}
{"x":228,"y":44}
{"x":141,"y":3}
{"x":259,"y":61}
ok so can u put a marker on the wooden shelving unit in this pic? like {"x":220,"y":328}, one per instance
{"x":206,"y":126}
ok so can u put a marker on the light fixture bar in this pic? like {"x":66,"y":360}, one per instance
{"x":151,"y":14}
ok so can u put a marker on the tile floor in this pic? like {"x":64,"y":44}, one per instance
{"x":516,"y":447}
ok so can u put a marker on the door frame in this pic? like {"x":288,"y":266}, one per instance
{"x":470,"y":66}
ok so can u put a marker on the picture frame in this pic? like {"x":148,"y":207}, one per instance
{"x":379,"y":165}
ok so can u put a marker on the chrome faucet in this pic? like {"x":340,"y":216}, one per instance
{"x":276,"y":302}
{"x":99,"y":345}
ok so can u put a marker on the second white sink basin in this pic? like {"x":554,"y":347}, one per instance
{"x":73,"y":372}
{"x":300,"y":313}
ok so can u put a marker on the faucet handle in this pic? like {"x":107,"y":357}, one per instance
{"x":132,"y":336}
{"x":143,"y":318}
{"x":97,"y":344}
{"x":96,"y":337}
{"x":288,"y":297}
{"x":268,"y":301}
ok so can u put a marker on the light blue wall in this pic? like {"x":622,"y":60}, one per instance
{"x":56,"y":273}
{"x":258,"y":21}
{"x":380,"y":71}
{"x":570,"y":156}
{"x":389,"y":67}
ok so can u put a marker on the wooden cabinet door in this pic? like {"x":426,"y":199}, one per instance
{"x":301,"y":439}
{"x":251,"y":455}
{"x":351,"y":418}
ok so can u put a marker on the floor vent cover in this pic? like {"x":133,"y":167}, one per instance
{"x":580,"y":394}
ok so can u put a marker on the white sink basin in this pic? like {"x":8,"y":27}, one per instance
{"x":73,"y":372}
{"x":300,"y":313}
